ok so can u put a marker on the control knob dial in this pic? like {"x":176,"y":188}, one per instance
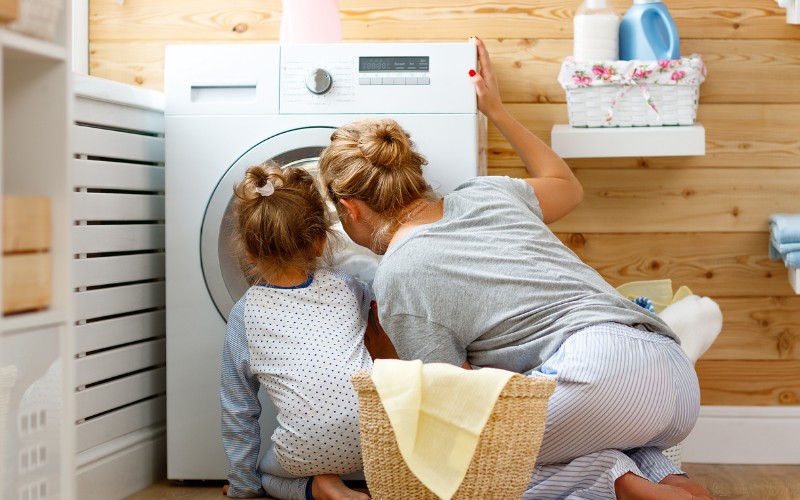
{"x":318,"y":81}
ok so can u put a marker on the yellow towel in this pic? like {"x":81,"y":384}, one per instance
{"x":437,"y":412}
{"x":659,"y":291}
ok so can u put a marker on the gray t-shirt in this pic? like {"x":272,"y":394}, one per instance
{"x":491,"y":284}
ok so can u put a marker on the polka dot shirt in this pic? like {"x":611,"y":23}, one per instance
{"x":304,"y":344}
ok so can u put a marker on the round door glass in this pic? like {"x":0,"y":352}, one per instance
{"x":223,"y":268}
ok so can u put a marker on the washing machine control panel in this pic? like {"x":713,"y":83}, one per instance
{"x":394,"y":70}
{"x":377,"y":78}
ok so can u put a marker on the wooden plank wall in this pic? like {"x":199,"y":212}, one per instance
{"x":700,"y":221}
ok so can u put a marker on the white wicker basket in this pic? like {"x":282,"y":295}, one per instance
{"x":675,"y":454}
{"x":38,"y":18}
{"x":676,"y":105}
{"x":632,"y":93}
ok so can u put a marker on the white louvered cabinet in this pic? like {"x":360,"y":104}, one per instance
{"x":118,"y":282}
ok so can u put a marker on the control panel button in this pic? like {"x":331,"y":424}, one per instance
{"x":318,"y":81}
{"x":394,"y":80}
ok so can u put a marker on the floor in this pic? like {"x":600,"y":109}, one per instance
{"x":725,"y":482}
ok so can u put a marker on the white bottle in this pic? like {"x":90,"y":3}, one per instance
{"x":596,"y":33}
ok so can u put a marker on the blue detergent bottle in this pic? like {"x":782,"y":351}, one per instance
{"x":647,"y":32}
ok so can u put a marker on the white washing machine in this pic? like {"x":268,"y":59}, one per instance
{"x":232,"y":106}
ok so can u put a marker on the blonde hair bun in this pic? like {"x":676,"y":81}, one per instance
{"x":374,"y":161}
{"x":385,"y":144}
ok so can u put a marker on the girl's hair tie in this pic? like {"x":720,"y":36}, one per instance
{"x":267,"y":189}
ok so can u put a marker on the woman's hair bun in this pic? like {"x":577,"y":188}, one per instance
{"x":386,"y":144}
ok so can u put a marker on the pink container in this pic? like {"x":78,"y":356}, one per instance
{"x":310,"y":21}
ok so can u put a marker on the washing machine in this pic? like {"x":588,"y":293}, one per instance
{"x":232,"y":106}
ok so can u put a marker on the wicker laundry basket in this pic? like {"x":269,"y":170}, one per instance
{"x":675,"y":454}
{"x":503,"y":461}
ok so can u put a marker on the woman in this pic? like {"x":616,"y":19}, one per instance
{"x":477,"y":279}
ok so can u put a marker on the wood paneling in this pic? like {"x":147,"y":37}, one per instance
{"x":751,"y":383}
{"x":700,"y":221}
{"x":684,"y":200}
{"x":244,"y":20}
{"x":528,"y":68}
{"x":711,"y":264}
{"x":199,"y":20}
{"x":762,"y":328}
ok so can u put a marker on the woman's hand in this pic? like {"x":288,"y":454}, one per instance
{"x":489,"y":101}
{"x":375,"y":339}
{"x":557,"y":189}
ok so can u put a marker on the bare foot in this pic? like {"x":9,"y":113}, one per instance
{"x":632,"y":487}
{"x":225,"y":489}
{"x":684,"y":483}
{"x":331,"y":487}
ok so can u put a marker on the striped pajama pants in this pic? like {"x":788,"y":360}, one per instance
{"x":623,"y":396}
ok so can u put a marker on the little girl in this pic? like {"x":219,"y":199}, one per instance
{"x":299,"y":333}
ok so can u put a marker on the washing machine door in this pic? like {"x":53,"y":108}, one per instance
{"x":223,"y":268}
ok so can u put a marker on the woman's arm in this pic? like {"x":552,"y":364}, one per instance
{"x":556,"y":187}
{"x":375,"y":339}
{"x":378,"y":343}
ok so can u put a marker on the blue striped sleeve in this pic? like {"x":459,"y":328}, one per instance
{"x":240,"y":410}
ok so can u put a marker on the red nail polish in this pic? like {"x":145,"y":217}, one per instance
{"x":472,"y":72}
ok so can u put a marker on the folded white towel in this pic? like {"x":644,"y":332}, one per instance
{"x":697,"y":321}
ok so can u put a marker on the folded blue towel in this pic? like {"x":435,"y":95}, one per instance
{"x":792,"y":259}
{"x":784,"y":240}
{"x":785,"y":228}
{"x":777,"y":248}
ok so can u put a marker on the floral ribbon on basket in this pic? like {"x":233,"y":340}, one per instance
{"x":627,"y":74}
{"x":624,"y":90}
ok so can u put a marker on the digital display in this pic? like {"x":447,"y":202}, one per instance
{"x":393,"y":64}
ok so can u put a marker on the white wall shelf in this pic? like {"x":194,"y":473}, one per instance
{"x":580,"y":142}
{"x":31,"y":320}
{"x":36,"y":363}
{"x":19,"y":46}
{"x":794,"y":279}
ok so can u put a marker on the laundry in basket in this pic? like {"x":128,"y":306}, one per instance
{"x":632,"y":93}
{"x":503,"y":457}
